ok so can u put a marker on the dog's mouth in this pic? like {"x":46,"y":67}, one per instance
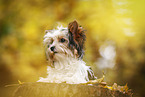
{"x":51,"y":54}
{"x":55,"y":52}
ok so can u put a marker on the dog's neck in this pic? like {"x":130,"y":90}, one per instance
{"x":68,"y":62}
{"x":70,"y":70}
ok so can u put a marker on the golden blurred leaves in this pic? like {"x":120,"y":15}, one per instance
{"x":23,"y":22}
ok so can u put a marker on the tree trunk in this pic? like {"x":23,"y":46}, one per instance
{"x":38,"y":89}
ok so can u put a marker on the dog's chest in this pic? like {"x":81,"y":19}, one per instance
{"x":71,"y":71}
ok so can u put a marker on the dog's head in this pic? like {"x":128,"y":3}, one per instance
{"x":64,"y":42}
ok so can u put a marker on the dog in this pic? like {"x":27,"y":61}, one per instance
{"x":64,"y":52}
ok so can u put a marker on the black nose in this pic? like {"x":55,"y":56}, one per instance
{"x":52,"y":48}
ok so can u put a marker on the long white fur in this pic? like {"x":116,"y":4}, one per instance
{"x":67,"y":67}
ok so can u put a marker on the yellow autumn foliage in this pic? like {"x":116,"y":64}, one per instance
{"x":115,"y":38}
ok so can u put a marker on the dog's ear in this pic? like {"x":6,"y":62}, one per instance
{"x":48,"y":31}
{"x":76,"y":37}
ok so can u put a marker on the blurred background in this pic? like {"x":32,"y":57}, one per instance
{"x":115,"y":39}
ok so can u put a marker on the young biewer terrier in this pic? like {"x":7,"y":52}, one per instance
{"x":64,"y":52}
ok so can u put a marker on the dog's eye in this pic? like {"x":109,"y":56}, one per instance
{"x":62,"y":40}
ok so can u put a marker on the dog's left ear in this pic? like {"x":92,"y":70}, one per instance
{"x":76,"y":37}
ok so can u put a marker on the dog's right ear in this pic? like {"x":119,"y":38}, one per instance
{"x":48,"y":31}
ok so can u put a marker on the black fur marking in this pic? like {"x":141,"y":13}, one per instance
{"x":79,"y":47}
